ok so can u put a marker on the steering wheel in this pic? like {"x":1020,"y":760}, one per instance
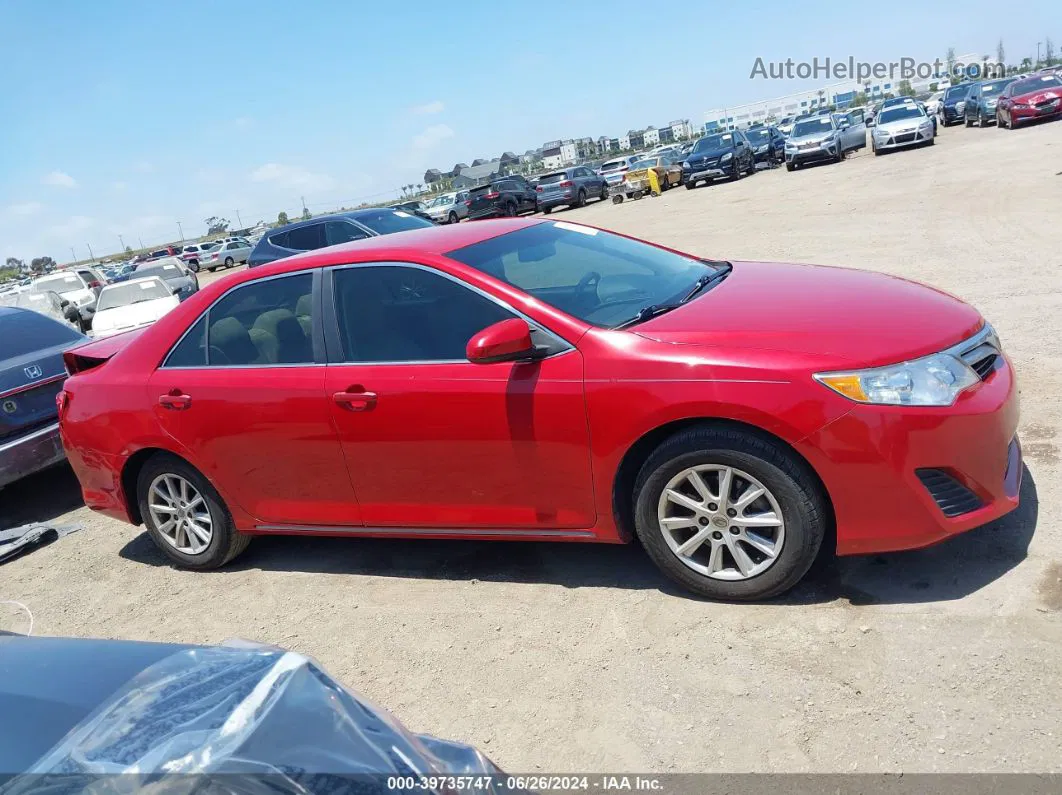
{"x":591,"y":279}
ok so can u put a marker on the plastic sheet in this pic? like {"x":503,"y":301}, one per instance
{"x":244,"y":719}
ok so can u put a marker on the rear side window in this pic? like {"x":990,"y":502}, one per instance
{"x":337,"y":232}
{"x":260,"y":324}
{"x":386,"y":222}
{"x":26,"y":332}
{"x":279,"y":240}
{"x":306,"y":238}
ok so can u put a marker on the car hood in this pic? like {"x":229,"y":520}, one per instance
{"x":850,"y":318}
{"x":708,"y":154}
{"x":811,"y":138}
{"x":1033,"y":97}
{"x":904,"y":124}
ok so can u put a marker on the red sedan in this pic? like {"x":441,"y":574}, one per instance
{"x":1036,"y":97}
{"x":531,"y":379}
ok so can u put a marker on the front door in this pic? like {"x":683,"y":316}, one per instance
{"x":855,"y":137}
{"x":434,"y":441}
{"x":244,"y":398}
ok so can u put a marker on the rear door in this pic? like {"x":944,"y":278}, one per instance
{"x":243,"y":394}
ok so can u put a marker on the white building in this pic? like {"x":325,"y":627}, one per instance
{"x":681,"y":129}
{"x":558,"y":154}
{"x":838,"y":94}
{"x":651,"y":137}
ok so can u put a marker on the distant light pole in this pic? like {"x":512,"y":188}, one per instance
{"x":141,"y":241}
{"x":92,"y":257}
{"x":180,"y":231}
{"x":121,"y":243}
{"x":1037,"y":54}
{"x":72,"y":254}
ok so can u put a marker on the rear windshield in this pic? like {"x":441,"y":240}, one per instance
{"x":162,"y":271}
{"x":612,"y":165}
{"x":760,"y":134}
{"x":26,"y":332}
{"x":385,"y":222}
{"x":67,"y":283}
{"x":132,"y":293}
{"x":552,"y":179}
{"x":988,"y":89}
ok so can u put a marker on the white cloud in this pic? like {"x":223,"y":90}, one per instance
{"x":59,"y":179}
{"x":25,"y":208}
{"x":431,"y":137}
{"x":292,"y":177}
{"x":72,"y":225}
{"x":428,"y":108}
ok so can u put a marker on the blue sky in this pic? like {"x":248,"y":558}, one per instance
{"x":126,"y":117}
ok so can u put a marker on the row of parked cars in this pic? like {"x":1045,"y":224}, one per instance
{"x":1008,"y":102}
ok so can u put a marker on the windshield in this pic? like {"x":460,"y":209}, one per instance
{"x":612,"y":165}
{"x":709,"y":142}
{"x":595,"y":276}
{"x":1035,"y":84}
{"x":132,"y":293}
{"x":757,"y":136}
{"x":442,"y":201}
{"x":384,"y":222}
{"x":647,"y":163}
{"x":162,"y":271}
{"x":900,"y":113}
{"x":820,"y":124}
{"x":957,"y":92}
{"x":64,"y":284}
{"x":993,"y":88}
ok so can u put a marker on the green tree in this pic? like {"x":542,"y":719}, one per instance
{"x":859,"y":99}
{"x":949,"y":59}
{"x":17,"y":264}
{"x":215,"y":225}
{"x":1026,"y":64}
{"x":282,"y":218}
{"x":128,"y":250}
{"x":306,"y":213}
{"x":41,"y":264}
{"x":905,"y":89}
{"x":933,"y":86}
{"x":1049,"y":52}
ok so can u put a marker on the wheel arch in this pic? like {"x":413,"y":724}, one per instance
{"x":131,"y":473}
{"x":638,"y":453}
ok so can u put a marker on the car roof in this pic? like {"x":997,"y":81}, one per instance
{"x":353,"y":214}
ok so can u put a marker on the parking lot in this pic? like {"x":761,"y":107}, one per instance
{"x":584,"y":658}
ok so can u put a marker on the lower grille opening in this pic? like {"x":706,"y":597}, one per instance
{"x":953,"y":498}
{"x":985,"y":366}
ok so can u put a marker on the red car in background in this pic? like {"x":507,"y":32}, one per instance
{"x":1035,"y":97}
{"x":531,"y":379}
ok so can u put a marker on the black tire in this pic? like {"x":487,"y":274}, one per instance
{"x":691,"y":184}
{"x":874,"y":149}
{"x":968,"y":120}
{"x":212,"y":269}
{"x":451,"y":218}
{"x":193,"y":266}
{"x":229,"y":262}
{"x":226,"y":542}
{"x":617,"y":199}
{"x":999,"y":121}
{"x":735,"y":171}
{"x":510,"y":210}
{"x":752,"y":166}
{"x":840,"y":153}
{"x":580,"y":198}
{"x":604,"y":191}
{"x":790,"y":167}
{"x":547,"y":210}
{"x":789,"y":479}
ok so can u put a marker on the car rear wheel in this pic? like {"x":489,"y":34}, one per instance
{"x":193,"y":266}
{"x":510,"y":210}
{"x":729,"y":514}
{"x":229,"y":262}
{"x":547,"y":210}
{"x":452,"y":217}
{"x":580,"y":199}
{"x":185,"y":516}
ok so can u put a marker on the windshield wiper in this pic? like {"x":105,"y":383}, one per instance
{"x":708,"y":279}
{"x":647,"y":312}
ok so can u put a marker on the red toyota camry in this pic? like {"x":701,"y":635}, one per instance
{"x":532,"y":379}
{"x":1036,"y":97}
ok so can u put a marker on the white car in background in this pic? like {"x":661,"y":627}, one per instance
{"x":131,"y":305}
{"x":227,"y":255}
{"x":933,"y":103}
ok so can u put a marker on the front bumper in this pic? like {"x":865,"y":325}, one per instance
{"x":900,"y":140}
{"x":952,"y":114}
{"x":869,"y":460}
{"x":716,"y":170}
{"x":1018,"y":115}
{"x":30,"y":453}
{"x":818,"y":154}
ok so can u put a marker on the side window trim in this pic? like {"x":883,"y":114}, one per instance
{"x":316,"y":333}
{"x":333,"y":344}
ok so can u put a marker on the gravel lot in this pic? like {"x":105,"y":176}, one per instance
{"x":583,"y":658}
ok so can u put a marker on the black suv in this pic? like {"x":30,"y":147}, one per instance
{"x":331,"y":230}
{"x":505,"y":196}
{"x":953,"y":106}
{"x":719,"y":155}
{"x":768,"y":145}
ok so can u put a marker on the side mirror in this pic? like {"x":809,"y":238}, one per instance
{"x":870,"y":122}
{"x":505,"y":341}
{"x":63,"y":303}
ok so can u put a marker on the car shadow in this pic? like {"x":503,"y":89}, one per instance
{"x":40,"y":497}
{"x":952,"y":570}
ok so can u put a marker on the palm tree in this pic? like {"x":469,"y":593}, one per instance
{"x":420,"y":187}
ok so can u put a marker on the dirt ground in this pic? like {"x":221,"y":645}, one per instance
{"x":583,"y":658}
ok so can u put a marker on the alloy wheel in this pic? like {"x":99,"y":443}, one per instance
{"x":721,"y":522}
{"x":180,"y":514}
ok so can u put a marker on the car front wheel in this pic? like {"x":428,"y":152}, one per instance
{"x":729,"y":514}
{"x":185,"y":516}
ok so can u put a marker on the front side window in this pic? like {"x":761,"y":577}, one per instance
{"x":396,"y":313}
{"x":597,"y":277}
{"x":386,"y":222}
{"x":263,"y":323}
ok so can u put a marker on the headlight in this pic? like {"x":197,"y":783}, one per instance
{"x":761,"y":149}
{"x":726,"y":157}
{"x":960,"y":106}
{"x":790,"y":146}
{"x":685,"y":163}
{"x":935,"y":380}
